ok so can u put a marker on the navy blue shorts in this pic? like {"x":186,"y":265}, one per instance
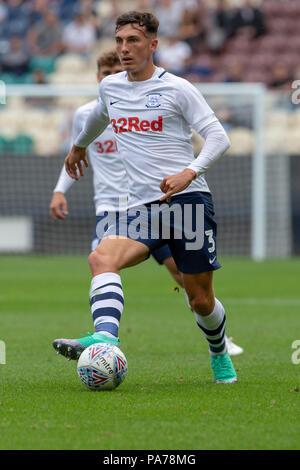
{"x":159,"y":254}
{"x":186,"y":225}
{"x":100,"y":229}
{"x":162,"y":253}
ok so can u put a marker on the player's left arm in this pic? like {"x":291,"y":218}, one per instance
{"x":175,"y":183}
{"x":216,"y":142}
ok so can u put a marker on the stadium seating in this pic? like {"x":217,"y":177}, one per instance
{"x":70,"y":63}
{"x":19,"y":117}
{"x":44,"y":63}
{"x":294,"y":121}
{"x":242,"y":141}
{"x":4,"y":144}
{"x":20,"y":144}
{"x":76,"y":78}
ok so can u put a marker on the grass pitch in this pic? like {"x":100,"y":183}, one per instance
{"x":168,"y":400}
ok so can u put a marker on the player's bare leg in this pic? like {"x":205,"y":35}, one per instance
{"x":232,"y":348}
{"x":173,"y":270}
{"x":116,"y":253}
{"x":210,"y":317}
{"x":106,"y":293}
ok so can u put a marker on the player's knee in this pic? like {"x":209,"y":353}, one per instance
{"x":202,"y":303}
{"x":93,"y":260}
{"x":99,"y":262}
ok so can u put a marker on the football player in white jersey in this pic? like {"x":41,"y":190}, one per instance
{"x":109,"y":178}
{"x":152,"y":113}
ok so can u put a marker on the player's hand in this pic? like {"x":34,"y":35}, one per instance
{"x":73,"y":162}
{"x":175,"y":183}
{"x":58,"y":206}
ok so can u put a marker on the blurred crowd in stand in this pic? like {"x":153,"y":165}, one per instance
{"x":204,"y":40}
{"x":213,"y":41}
{"x":42,"y":28}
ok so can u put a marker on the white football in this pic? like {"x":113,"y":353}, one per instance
{"x":102,"y":366}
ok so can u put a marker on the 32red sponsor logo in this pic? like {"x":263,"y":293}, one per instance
{"x":134,"y":124}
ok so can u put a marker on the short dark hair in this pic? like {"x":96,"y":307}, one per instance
{"x":109,"y":59}
{"x":148,"y":20}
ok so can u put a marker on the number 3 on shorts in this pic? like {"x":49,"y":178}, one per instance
{"x":209,"y":234}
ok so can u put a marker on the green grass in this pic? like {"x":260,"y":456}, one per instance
{"x":168,"y":400}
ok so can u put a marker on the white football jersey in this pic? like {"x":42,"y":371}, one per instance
{"x":109,"y":175}
{"x":152,"y":122}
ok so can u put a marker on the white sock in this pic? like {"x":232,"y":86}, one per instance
{"x":213,"y":326}
{"x":107,"y":302}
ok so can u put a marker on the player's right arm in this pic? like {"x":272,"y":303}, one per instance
{"x":58,"y":204}
{"x":96,"y":123}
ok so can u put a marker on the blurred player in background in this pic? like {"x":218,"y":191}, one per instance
{"x":110,"y":179}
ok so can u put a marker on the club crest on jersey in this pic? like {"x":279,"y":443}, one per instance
{"x":153,"y":100}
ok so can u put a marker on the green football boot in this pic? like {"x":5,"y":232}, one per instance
{"x":72,"y":348}
{"x":223,"y":369}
